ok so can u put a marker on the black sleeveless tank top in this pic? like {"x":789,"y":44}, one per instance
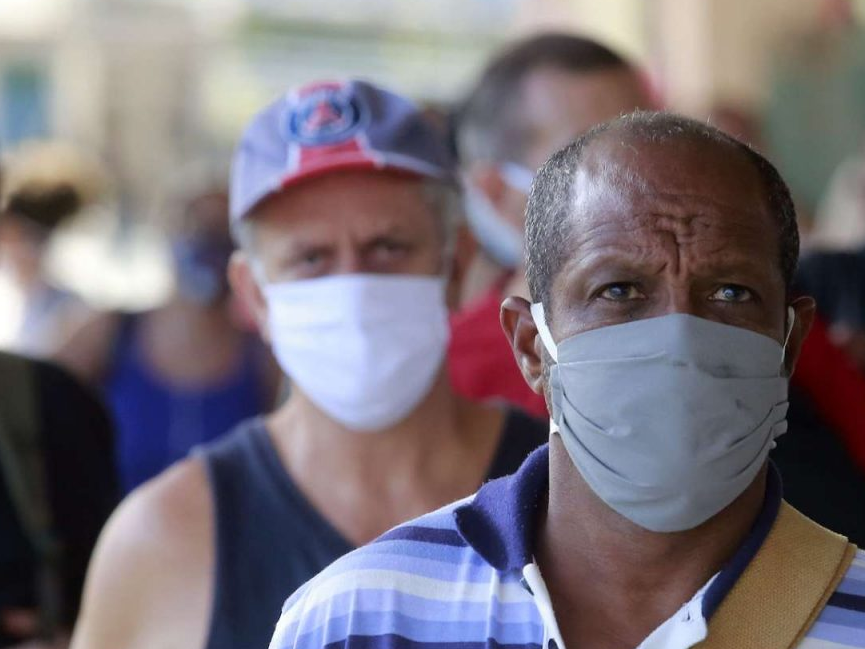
{"x":270,"y":540}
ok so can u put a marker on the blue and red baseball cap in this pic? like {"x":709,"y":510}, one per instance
{"x":331,"y":126}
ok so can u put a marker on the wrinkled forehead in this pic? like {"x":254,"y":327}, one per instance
{"x":621,"y":174}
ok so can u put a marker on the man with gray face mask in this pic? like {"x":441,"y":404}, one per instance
{"x":342,"y":201}
{"x":662,"y":334}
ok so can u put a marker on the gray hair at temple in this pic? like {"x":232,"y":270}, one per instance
{"x":549,"y":210}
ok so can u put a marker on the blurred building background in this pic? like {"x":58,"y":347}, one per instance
{"x":149,"y":84}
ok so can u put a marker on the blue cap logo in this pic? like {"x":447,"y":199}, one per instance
{"x":325,"y":116}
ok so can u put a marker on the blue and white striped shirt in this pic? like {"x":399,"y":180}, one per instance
{"x":463,"y":577}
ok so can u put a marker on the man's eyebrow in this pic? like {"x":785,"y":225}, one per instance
{"x":611,"y":259}
{"x":738,"y":266}
{"x":303,"y":243}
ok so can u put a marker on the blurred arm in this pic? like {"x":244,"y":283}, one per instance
{"x":150,"y":582}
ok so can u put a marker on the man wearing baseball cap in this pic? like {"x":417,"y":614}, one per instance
{"x":344,"y":206}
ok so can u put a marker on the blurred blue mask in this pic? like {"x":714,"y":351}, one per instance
{"x":201,"y":266}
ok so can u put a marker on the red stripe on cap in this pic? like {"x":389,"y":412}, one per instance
{"x":349,"y":162}
{"x":319,"y":155}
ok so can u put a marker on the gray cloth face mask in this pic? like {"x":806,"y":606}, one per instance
{"x":667,"y":419}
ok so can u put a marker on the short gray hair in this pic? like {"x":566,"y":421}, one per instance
{"x":549,"y":211}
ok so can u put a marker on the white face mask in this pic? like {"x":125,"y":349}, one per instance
{"x":365,"y":349}
{"x":499,"y":239}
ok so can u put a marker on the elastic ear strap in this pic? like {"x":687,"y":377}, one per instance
{"x":791,"y":319}
{"x":517,"y":176}
{"x":540,"y":319}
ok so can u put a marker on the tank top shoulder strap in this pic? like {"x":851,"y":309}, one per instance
{"x":269,"y":538}
{"x":121,"y":347}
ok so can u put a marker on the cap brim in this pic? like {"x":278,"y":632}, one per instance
{"x":354,"y":162}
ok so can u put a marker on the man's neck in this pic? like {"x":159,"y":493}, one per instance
{"x":612,"y":582}
{"x":439,"y":453}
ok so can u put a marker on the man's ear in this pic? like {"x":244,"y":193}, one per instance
{"x":465,"y":249}
{"x":519,"y":326}
{"x":805,"y":309}
{"x":243,"y":282}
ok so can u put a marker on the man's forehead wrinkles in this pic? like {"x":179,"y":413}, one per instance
{"x":650,"y":259}
{"x":648,"y":235}
{"x":631,"y":225}
{"x":609,"y":256}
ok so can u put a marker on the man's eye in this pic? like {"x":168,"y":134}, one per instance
{"x":389,"y":246}
{"x":621,"y":292}
{"x":732,"y":293}
{"x":311,"y":258}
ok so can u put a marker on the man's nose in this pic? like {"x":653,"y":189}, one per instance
{"x":349,"y":261}
{"x":681,"y":300}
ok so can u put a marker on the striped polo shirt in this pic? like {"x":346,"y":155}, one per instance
{"x":463,"y":577}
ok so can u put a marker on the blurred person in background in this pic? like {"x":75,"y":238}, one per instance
{"x":46,"y":185}
{"x":815,"y":100}
{"x":57,"y":488}
{"x":345,"y":204}
{"x":832,"y":373}
{"x":839,"y":221}
{"x":187,"y":372}
{"x":531,"y":99}
{"x":837,"y":280}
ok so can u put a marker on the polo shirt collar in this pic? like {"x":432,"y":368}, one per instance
{"x":499,"y":523}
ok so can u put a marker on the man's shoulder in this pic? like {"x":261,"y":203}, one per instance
{"x":168,"y":513}
{"x":237,"y":440}
{"x":159,"y":539}
{"x":842,"y":622}
{"x":418,"y":581}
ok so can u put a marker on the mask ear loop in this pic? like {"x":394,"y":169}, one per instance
{"x":517,"y":176}
{"x":540,"y":319}
{"x":791,"y":319}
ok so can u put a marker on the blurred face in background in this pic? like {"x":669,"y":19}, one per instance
{"x":344,"y":223}
{"x":348,"y":275}
{"x":201,"y":248}
{"x":851,"y":339}
{"x":22,"y":247}
{"x":557,"y":107}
